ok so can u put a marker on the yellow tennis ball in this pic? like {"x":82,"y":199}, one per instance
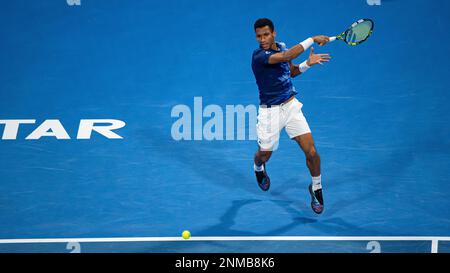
{"x":186,"y":234}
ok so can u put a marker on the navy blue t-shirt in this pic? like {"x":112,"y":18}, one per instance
{"x":273,"y":80}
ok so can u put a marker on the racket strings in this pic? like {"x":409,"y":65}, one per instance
{"x":359,"y":32}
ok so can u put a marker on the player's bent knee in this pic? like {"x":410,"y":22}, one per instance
{"x":265,"y":155}
{"x":312,"y":154}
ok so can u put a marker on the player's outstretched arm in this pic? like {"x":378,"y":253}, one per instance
{"x":295,"y":70}
{"x":298,"y":49}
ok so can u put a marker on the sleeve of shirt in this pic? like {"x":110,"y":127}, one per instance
{"x":262,"y":56}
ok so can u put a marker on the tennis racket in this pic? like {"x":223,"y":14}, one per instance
{"x":357,"y":33}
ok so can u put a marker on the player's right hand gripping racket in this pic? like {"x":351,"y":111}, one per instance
{"x":357,"y":33}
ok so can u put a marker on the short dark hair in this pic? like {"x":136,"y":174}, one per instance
{"x":262,"y":22}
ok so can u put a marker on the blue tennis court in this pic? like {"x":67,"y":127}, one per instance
{"x":94,"y":158}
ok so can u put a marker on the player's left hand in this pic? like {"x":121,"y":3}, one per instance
{"x":317,"y":58}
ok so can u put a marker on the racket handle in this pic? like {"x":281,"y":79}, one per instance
{"x":332,"y":38}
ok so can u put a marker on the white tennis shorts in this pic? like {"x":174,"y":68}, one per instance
{"x":272,"y":120}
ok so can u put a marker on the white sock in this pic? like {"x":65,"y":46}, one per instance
{"x":316,"y":182}
{"x":258,"y":168}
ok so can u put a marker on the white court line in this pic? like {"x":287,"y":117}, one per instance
{"x":434,"y":246}
{"x":433,"y":239}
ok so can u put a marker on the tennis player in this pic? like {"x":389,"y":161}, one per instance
{"x":273,"y":69}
